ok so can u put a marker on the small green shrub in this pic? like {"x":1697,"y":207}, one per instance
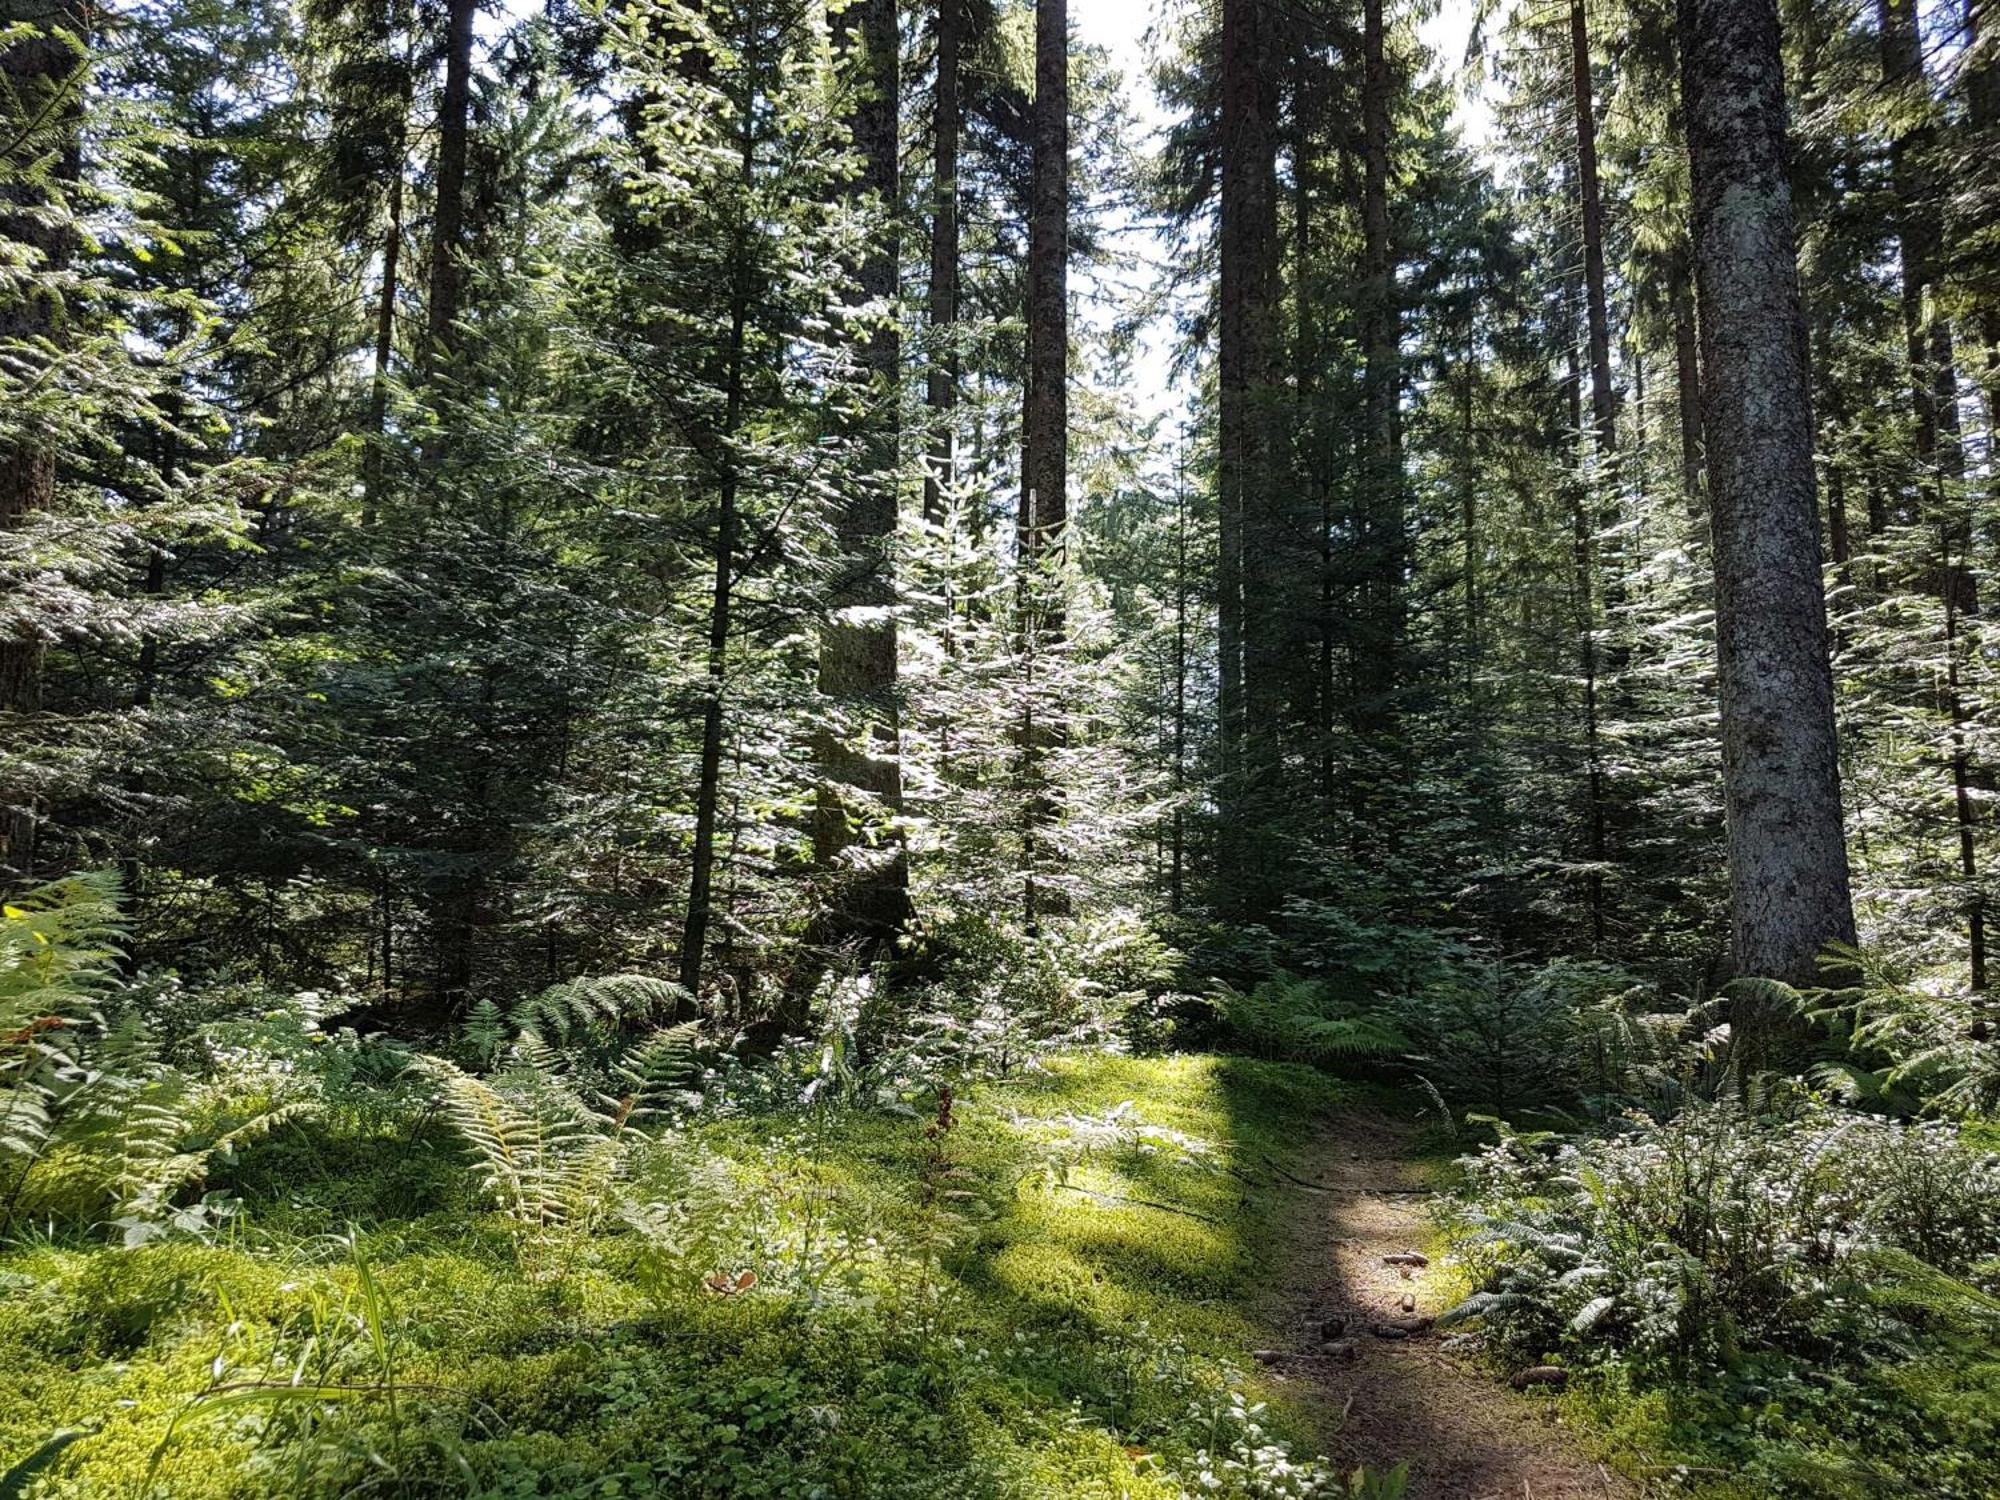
{"x":1781,"y":1257}
{"x":1508,"y":1038}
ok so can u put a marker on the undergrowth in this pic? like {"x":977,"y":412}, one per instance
{"x":1033,"y":1289}
{"x":1781,"y":1299}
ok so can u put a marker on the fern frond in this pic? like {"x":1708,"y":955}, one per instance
{"x":541,"y":1148}
{"x":661,"y":1072}
{"x":607,"y":1004}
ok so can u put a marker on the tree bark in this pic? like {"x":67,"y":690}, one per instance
{"x":1982,"y":109}
{"x":1381,"y":392}
{"x":868,"y":896}
{"x":1934,"y":391}
{"x":1603,"y":399}
{"x":1246,"y":351}
{"x":1177,"y":873}
{"x":448,"y":222}
{"x":1933,"y":360}
{"x":1788,"y":871}
{"x":43,"y":74}
{"x":701,"y":882}
{"x":1583,"y":561}
{"x":941,"y":378}
{"x":1046,"y":426}
{"x":708,"y":785}
{"x":385,"y":351}
{"x":1044,"y":513}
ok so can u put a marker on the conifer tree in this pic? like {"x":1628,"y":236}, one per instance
{"x":1789,"y":896}
{"x":42,"y":74}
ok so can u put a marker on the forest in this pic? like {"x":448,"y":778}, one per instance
{"x":980,"y":748}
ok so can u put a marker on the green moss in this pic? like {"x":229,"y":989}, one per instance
{"x":1052,"y":1346}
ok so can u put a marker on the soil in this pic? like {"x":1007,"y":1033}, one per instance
{"x":1465,"y":1434}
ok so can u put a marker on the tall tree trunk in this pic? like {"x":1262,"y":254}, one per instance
{"x":1045,"y":424}
{"x":1177,"y":874}
{"x":1687,"y":382}
{"x":708,"y":785}
{"x":1233,"y":427}
{"x":1046,"y":428}
{"x":708,"y":788}
{"x":1583,"y":560}
{"x":1933,"y":360}
{"x":1788,"y":873}
{"x":1608,"y":547}
{"x":1468,"y":500}
{"x":1381,"y":392}
{"x":1603,"y":399}
{"x":1934,"y":392}
{"x":44,"y":75}
{"x":869,"y":904}
{"x":448,"y":223}
{"x":1982,"y":109}
{"x":1246,"y":350}
{"x":1902,"y":73}
{"x":385,"y":352}
{"x":941,"y":378}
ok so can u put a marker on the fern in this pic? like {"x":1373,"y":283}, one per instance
{"x":658,"y":1077}
{"x":58,"y":951}
{"x":1302,"y":1020}
{"x":59,"y":947}
{"x":581,"y":1009}
{"x":543,"y":1153}
{"x":1899,"y":1281}
{"x":134,"y":1128}
{"x":158,"y":1162}
{"x":485,"y":1031}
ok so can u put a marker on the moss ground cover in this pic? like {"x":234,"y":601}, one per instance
{"x":1050,"y":1296}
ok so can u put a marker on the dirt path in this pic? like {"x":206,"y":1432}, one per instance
{"x":1466,"y":1435}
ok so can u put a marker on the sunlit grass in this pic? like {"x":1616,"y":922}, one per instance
{"x":1051,"y":1349}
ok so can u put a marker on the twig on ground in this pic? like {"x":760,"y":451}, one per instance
{"x":1165,"y":1208}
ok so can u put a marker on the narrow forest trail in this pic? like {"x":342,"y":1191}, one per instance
{"x":1465,"y":1435}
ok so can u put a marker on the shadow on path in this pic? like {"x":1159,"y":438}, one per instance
{"x":1465,"y":1435}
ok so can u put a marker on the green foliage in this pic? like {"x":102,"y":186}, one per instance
{"x":1908,"y":1048}
{"x":1509,"y":1037}
{"x":1775,"y":1259}
{"x":921,"y":1320}
{"x":1307,"y":1020}
{"x":58,"y":949}
{"x":545,"y":1154}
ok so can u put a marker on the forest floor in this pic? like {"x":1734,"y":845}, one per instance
{"x":1465,"y":1435}
{"x":1134,"y":1229}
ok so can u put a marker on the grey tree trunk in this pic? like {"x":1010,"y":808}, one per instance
{"x":1382,"y":341}
{"x":43,"y":80}
{"x":1246,"y":351}
{"x":1788,"y":873}
{"x":941,"y":379}
{"x":866,"y":890}
{"x":1045,"y":435}
{"x":1044,"y":513}
{"x":448,"y":221}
